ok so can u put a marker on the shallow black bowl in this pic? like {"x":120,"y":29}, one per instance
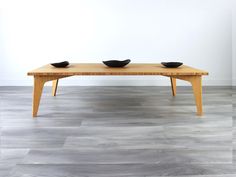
{"x":171,"y":64}
{"x":116,"y":63}
{"x":60,"y":64}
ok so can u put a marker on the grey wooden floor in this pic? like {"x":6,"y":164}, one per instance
{"x":117,"y":132}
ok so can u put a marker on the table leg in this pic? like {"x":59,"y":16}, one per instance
{"x":197,"y":90}
{"x":173,"y":85}
{"x":39,"y":82}
{"x":196,"y":82}
{"x":38,"y":88}
{"x":54,"y":87}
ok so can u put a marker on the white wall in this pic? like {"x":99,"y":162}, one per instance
{"x":197,"y":32}
{"x":234,"y":42}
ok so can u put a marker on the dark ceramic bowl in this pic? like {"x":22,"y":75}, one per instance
{"x":60,"y":64}
{"x":171,"y":64}
{"x":116,"y":63}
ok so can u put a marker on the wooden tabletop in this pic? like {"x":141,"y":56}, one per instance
{"x":101,"y":69}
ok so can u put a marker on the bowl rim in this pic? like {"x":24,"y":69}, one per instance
{"x":172,"y":62}
{"x":126,"y":60}
{"x":67,"y":62}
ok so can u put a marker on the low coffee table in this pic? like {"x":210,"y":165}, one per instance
{"x":50,"y":73}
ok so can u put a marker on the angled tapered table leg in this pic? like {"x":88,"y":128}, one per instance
{"x":173,"y":85}
{"x":196,"y":82}
{"x":54,"y":87}
{"x":38,"y":88}
{"x":197,"y":90}
{"x":39,"y":82}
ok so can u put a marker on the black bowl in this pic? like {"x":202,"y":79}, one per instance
{"x":116,"y":63}
{"x":171,"y":64}
{"x":60,"y":64}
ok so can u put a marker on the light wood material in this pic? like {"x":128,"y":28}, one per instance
{"x":39,"y":82}
{"x":173,"y":85}
{"x":101,"y":69}
{"x":54,"y":87}
{"x":196,"y":82}
{"x":50,"y":73}
{"x":197,"y":90}
{"x":38,"y":88}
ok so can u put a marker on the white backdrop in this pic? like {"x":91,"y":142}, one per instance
{"x":34,"y":33}
{"x":234,"y":42}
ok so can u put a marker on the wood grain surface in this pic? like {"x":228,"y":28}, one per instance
{"x":131,"y":69}
{"x":145,"y":132}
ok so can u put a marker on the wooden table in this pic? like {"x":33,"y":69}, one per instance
{"x":50,"y":73}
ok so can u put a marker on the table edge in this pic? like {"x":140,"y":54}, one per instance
{"x":114,"y":74}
